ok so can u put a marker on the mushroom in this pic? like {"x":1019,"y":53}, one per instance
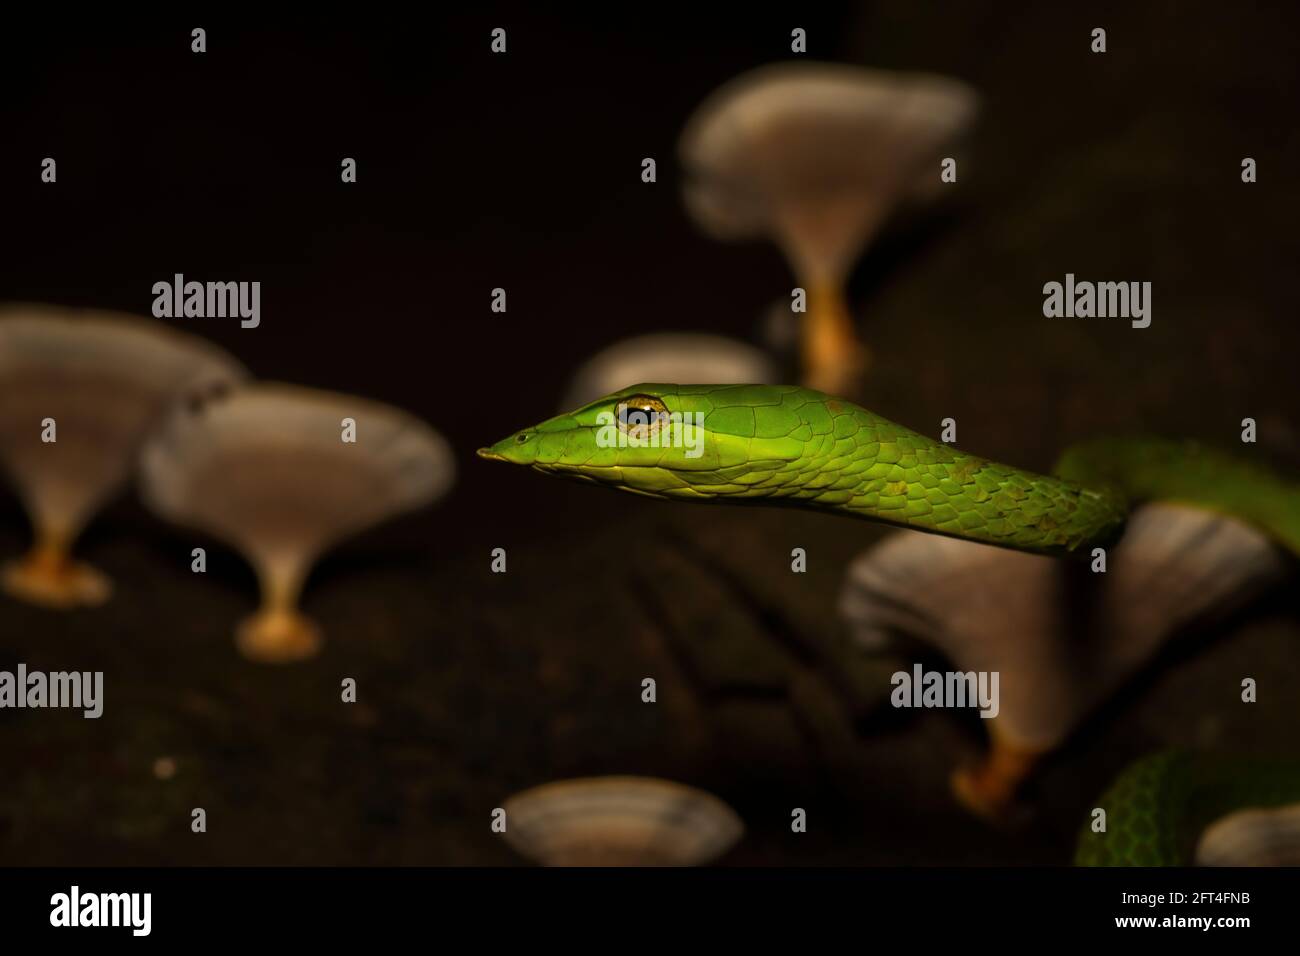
{"x":1061,"y":638}
{"x":620,"y":821}
{"x":1252,"y":837}
{"x":79,"y":391}
{"x":686,"y":358}
{"x":282,"y":473}
{"x":816,"y":157}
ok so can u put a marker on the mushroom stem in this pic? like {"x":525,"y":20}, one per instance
{"x":988,"y":788}
{"x":279,"y":633}
{"x":834,"y":358}
{"x":48,"y":576}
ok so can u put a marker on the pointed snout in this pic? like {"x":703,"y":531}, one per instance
{"x":518,"y":449}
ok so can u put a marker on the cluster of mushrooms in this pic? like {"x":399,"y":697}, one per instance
{"x":90,"y":399}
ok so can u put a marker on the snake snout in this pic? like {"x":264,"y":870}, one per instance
{"x":517,"y":449}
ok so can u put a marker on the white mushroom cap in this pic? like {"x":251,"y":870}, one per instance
{"x":686,"y":358}
{"x":620,"y":821}
{"x":991,"y":609}
{"x":816,"y":155}
{"x":1253,"y":837}
{"x":106,"y":379}
{"x":265,"y":468}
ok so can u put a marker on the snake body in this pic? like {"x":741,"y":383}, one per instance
{"x":1159,"y":807}
{"x":786,"y":445}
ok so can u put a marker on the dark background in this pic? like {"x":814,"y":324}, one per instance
{"x":523,"y":171}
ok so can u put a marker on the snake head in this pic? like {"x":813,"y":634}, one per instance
{"x":667,"y":441}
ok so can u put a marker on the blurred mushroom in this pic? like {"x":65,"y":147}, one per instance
{"x":1062,"y":638}
{"x":268,"y":470}
{"x":1253,"y":837}
{"x":685,"y":358}
{"x":816,"y":157}
{"x":620,"y":821}
{"x":95,"y":383}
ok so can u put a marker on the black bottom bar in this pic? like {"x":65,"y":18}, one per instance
{"x":333,"y":905}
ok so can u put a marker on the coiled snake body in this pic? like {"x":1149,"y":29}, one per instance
{"x":1176,"y":808}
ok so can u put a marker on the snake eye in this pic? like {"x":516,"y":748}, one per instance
{"x":522,"y":437}
{"x":641,"y":416}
